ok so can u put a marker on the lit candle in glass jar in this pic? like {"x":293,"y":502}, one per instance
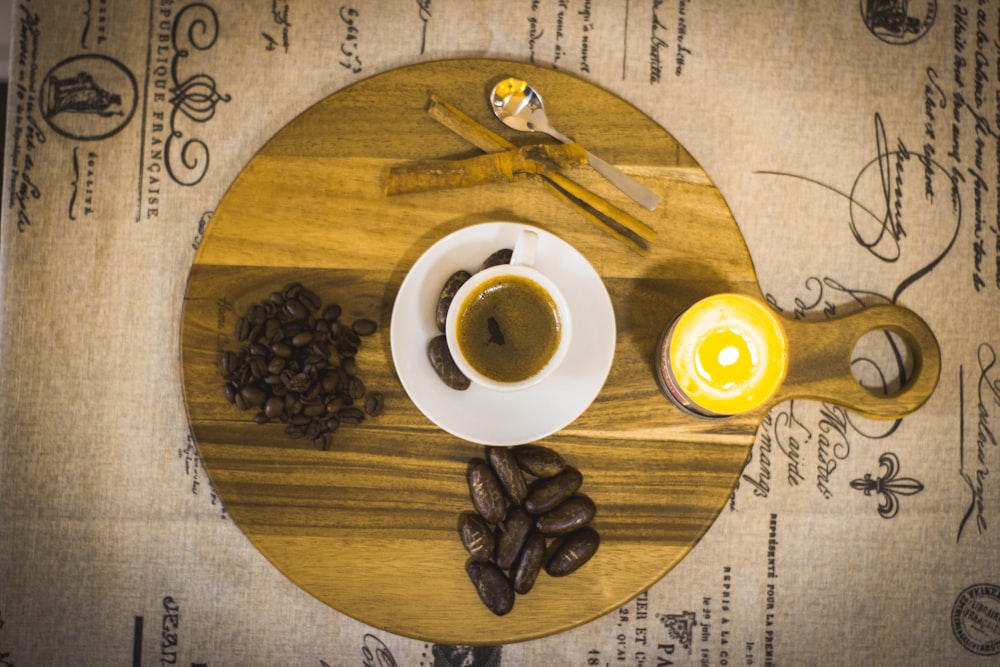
{"x":724,"y":355}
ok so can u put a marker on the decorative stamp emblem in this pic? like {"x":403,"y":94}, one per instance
{"x":888,"y":486}
{"x":88,"y":97}
{"x":680,"y":627}
{"x":975,"y":619}
{"x":899,"y":21}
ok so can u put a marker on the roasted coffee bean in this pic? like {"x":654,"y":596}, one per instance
{"x":501,"y":256}
{"x":356,"y":388}
{"x":477,"y":536}
{"x":573,"y":513}
{"x":546,"y":493}
{"x":351,"y":415}
{"x":444,"y":365}
{"x":275,"y":366}
{"x":295,"y":309}
{"x":350,"y":366}
{"x":573,"y":551}
{"x":334,"y":404}
{"x":274,"y":407}
{"x":302,"y":338}
{"x":451,"y":287}
{"x":332,"y":313}
{"x":253,"y":395}
{"x":511,"y":536}
{"x":300,"y":382}
{"x":281,"y":349}
{"x":538,"y":460}
{"x":505,"y":466}
{"x":314,"y":410}
{"x":493,"y":586}
{"x":242,"y":329}
{"x":256,"y":332}
{"x":487,"y":494}
{"x":374,"y":403}
{"x":229,"y":362}
{"x":529,"y":563}
{"x":258,"y":368}
{"x":261,"y":418}
{"x":229,"y":391}
{"x":364,"y":327}
{"x":329,"y":381}
{"x":309,"y":299}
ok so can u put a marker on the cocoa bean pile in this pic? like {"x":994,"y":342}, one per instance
{"x":529,"y":516}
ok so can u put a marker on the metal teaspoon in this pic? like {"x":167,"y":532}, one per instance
{"x":520,"y":107}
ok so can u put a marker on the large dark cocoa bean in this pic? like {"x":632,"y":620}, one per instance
{"x":451,"y":287}
{"x":444,"y":365}
{"x":574,"y":550}
{"x":545,"y":494}
{"x":487,"y":495}
{"x":529,"y":563}
{"x":574,"y":512}
{"x":513,"y":531}
{"x":477,"y":536}
{"x":538,"y":460}
{"x":501,"y":256}
{"x":505,"y":466}
{"x":493,"y":586}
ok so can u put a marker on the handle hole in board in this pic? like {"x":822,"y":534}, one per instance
{"x":883,"y":362}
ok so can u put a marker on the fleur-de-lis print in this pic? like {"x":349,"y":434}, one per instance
{"x":887,"y":486}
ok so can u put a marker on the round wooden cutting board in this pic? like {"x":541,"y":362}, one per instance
{"x":370,"y":525}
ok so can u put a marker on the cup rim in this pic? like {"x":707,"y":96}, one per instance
{"x":562,"y":308}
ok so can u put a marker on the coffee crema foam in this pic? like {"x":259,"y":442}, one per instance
{"x":509,"y":328}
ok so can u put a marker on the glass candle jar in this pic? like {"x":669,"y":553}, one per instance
{"x":724,"y":355}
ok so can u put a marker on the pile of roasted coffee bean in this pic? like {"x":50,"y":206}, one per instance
{"x":298,"y":366}
{"x":529,"y":516}
{"x":437,"y":349}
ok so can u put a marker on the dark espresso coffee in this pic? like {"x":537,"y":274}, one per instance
{"x":509,"y":328}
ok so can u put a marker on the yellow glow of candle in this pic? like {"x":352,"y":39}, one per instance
{"x":725,"y":355}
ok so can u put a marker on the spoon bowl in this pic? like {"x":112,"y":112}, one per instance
{"x":519,"y":106}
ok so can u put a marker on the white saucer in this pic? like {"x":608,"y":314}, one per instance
{"x":503,"y":418}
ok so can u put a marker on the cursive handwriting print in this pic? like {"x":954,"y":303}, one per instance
{"x":978,"y":451}
{"x":894,"y":209}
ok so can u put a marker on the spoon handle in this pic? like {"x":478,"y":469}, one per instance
{"x":637,"y":191}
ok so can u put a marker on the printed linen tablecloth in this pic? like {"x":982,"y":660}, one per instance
{"x":857,"y":145}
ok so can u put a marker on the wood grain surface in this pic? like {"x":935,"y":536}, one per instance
{"x":370,"y":526}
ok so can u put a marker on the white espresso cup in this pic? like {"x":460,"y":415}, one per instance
{"x":508,"y":326}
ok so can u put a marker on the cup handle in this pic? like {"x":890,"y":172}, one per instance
{"x":819,"y":361}
{"x":525,"y":248}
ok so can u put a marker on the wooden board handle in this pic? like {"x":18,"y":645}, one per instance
{"x":819,"y":365}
